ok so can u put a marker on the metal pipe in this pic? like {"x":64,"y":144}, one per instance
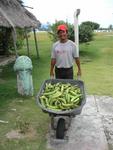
{"x":76,"y":28}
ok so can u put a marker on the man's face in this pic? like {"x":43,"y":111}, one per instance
{"x":62,"y":35}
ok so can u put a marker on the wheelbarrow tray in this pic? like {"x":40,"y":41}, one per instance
{"x":71,"y":112}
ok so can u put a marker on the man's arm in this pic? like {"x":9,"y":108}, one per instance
{"x":77,"y":61}
{"x":53,"y":62}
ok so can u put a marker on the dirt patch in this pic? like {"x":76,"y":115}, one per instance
{"x":6,"y":60}
{"x":16,"y":134}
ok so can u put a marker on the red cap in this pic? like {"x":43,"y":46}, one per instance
{"x":62,"y":27}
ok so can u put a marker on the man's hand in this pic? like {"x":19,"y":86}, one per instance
{"x":52,"y":75}
{"x":79,"y":73}
{"x":77,"y":60}
{"x":53,"y":61}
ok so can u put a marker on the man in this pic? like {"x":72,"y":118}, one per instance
{"x":63,"y":54}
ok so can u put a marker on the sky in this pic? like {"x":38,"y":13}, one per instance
{"x":98,"y":11}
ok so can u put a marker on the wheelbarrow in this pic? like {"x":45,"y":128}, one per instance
{"x":61,"y":120}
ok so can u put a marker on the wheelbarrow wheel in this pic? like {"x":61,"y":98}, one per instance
{"x":60,"y":129}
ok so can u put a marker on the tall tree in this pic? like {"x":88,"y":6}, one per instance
{"x":93,"y":25}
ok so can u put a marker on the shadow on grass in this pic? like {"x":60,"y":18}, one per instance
{"x":9,"y":94}
{"x":88,"y":54}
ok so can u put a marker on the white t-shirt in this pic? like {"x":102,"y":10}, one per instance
{"x":64,"y":53}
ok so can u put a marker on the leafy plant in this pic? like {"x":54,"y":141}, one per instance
{"x":85,"y":31}
{"x":22,"y":125}
{"x":93,"y":25}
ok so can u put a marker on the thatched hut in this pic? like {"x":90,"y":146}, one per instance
{"x":14,"y":15}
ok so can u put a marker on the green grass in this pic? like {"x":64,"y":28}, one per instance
{"x":26,"y":107}
{"x":97,"y":74}
{"x":97,"y":64}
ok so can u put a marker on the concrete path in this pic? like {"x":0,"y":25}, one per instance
{"x":91,"y":130}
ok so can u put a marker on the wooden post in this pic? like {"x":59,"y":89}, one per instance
{"x":14,"y":40}
{"x":36,"y":45}
{"x":27,"y":42}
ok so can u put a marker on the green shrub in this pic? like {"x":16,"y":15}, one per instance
{"x":85,"y":31}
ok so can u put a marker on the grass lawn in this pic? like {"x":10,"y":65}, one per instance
{"x":22,"y":112}
{"x":97,"y":64}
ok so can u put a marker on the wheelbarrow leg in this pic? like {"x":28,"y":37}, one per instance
{"x":52,"y":122}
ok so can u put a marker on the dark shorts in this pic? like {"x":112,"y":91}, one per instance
{"x":64,"y":73}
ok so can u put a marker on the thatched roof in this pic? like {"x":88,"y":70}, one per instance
{"x":13,"y":14}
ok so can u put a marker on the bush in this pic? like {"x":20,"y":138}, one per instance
{"x":93,"y":25}
{"x":85,"y":31}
